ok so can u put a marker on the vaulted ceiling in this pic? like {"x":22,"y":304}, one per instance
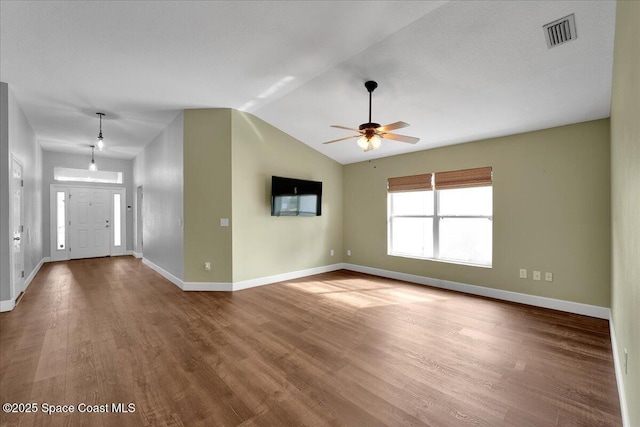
{"x":456,"y":71}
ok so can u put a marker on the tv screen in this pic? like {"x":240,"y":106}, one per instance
{"x":295,"y":197}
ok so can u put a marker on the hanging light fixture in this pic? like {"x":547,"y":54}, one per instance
{"x":100,"y":143}
{"x":92,"y":166}
{"x":369,"y":143}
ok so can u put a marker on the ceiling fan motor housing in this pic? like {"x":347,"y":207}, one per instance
{"x":366,"y":126}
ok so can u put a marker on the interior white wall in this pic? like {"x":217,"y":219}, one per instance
{"x":159,"y":169}
{"x":19,"y":140}
{"x":4,"y":194}
{"x":52,"y":159}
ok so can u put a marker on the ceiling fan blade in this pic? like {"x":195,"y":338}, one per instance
{"x":401,"y":138}
{"x":342,"y":139}
{"x":392,"y":126}
{"x":343,"y":127}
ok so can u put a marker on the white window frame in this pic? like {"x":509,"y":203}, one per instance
{"x":436,"y":218}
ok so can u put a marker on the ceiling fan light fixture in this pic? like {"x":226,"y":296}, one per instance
{"x":363,"y":143}
{"x":369,"y":143}
{"x":370,"y":134}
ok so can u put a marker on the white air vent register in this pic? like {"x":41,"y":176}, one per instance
{"x":560,"y":31}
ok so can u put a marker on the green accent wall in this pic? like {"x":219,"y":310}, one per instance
{"x":228,"y":152}
{"x":551,"y":211}
{"x":264,"y":245}
{"x":207,"y":195}
{"x":625,"y":198}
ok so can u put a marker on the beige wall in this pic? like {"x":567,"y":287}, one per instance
{"x":230,"y":152}
{"x":207,"y":195}
{"x":264,"y":245}
{"x":625,"y":197}
{"x":551,"y":211}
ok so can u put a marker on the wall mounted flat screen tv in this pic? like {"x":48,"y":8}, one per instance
{"x":295,"y":197}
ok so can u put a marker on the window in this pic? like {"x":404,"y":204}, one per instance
{"x":443,"y":216}
{"x":84,"y":175}
{"x":117,"y":229}
{"x":60,"y":215}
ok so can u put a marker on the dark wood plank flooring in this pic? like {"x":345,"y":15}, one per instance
{"x":339,"y":348}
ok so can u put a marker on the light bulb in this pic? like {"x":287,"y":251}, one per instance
{"x":93,"y":167}
{"x":363,"y":143}
{"x":375,"y":142}
{"x":100,"y":144}
{"x":369,"y":144}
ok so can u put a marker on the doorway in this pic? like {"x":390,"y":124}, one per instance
{"x":88,"y":210}
{"x":87,"y":222}
{"x":17,"y":227}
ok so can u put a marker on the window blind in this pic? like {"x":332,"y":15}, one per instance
{"x":409,"y":183}
{"x":466,"y":178}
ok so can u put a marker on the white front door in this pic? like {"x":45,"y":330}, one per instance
{"x":17,"y":227}
{"x":89,"y":222}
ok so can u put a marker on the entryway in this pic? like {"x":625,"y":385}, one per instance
{"x":87,"y":222}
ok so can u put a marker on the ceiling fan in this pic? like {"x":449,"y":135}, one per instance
{"x":370,"y":134}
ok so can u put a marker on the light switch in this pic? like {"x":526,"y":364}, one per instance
{"x":224,"y":222}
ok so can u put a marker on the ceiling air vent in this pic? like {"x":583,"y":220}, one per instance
{"x":560,"y":31}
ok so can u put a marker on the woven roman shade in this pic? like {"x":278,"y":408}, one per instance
{"x":409,"y":183}
{"x":466,"y":178}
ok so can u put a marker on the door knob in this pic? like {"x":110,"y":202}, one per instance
{"x":16,"y":238}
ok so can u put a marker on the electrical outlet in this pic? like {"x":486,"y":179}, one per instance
{"x":331,"y":252}
{"x":536,"y":275}
{"x":348,"y":252}
{"x":207,"y":266}
{"x":548,"y":277}
{"x":523,"y":273}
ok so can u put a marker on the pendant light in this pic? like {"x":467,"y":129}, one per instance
{"x":92,"y":166}
{"x":100,"y":143}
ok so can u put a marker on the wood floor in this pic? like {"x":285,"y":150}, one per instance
{"x":339,"y":348}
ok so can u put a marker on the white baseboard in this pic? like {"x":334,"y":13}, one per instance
{"x":261,"y":281}
{"x":251,"y":283}
{"x":208,"y":286}
{"x":537,"y":301}
{"x":164,"y":273}
{"x":7,"y":305}
{"x":136,"y":254}
{"x":29,"y":279}
{"x":619,"y":375}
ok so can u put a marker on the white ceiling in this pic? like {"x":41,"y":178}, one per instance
{"x":456,"y":71}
